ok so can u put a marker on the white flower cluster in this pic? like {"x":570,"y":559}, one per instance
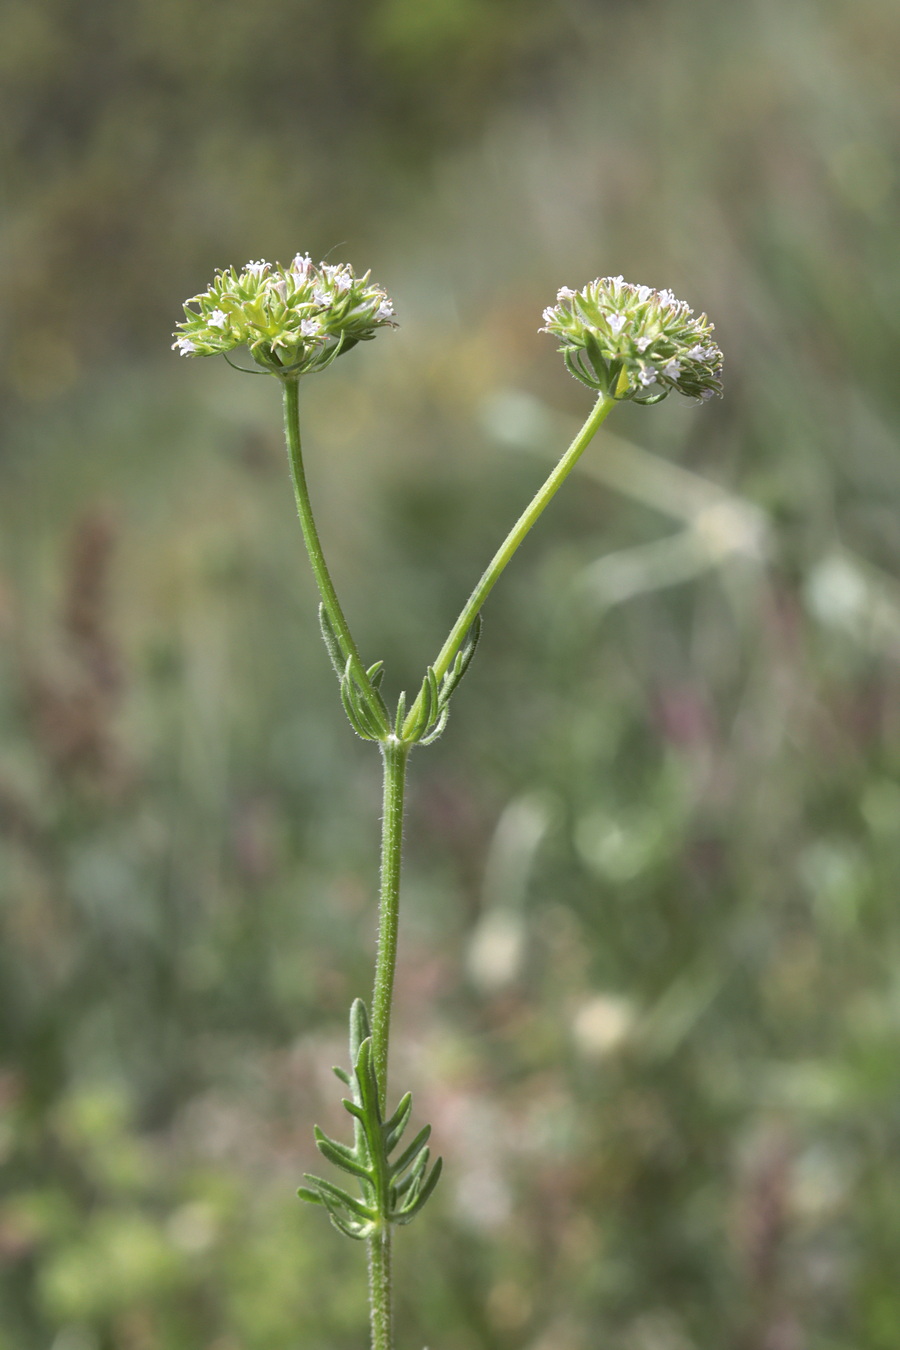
{"x":294,"y":319}
{"x":631,"y":342}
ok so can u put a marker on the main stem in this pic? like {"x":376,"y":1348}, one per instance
{"x":311,"y":534}
{"x":395,"y":755}
{"x":601,"y":410}
{"x":380,"y":1311}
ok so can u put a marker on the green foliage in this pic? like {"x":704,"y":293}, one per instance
{"x":393,"y":1192}
{"x":366,"y":709}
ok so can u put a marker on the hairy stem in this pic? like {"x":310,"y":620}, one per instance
{"x":311,"y":534}
{"x":380,"y":1312}
{"x":491,"y":574}
{"x":395,"y":756}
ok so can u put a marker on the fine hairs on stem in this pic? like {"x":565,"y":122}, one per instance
{"x":627,"y":344}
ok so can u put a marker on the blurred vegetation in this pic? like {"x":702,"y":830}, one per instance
{"x":650,"y":969}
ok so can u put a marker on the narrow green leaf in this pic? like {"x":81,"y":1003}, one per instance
{"x":426,"y":705}
{"x":413,"y":1179}
{"x":461,"y":663}
{"x":402,"y":1114}
{"x":404,"y":1102}
{"x":360,"y":1029}
{"x":311,"y":1197}
{"x":342,"y":1074}
{"x":408,"y":1154}
{"x":409,"y":1213}
{"x":435,"y":694}
{"x":368,"y":1085}
{"x":438,"y":728}
{"x":359,"y":714}
{"x":342,"y":1161}
{"x":330,"y":639}
{"x":340,"y":1155}
{"x":358,"y":1231}
{"x":352,"y":713}
{"x":345,"y":1223}
{"x":379,"y":710}
{"x":329,"y":1191}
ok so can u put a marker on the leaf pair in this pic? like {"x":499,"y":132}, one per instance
{"x":433,"y":704}
{"x":390,"y":1192}
{"x":365,"y":707}
{"x":366,"y":710}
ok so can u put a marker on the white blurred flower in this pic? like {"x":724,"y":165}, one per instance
{"x":602,"y":1024}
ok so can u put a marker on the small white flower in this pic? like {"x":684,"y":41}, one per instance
{"x":295,"y":319}
{"x":612,"y":327}
{"x":565,"y":293}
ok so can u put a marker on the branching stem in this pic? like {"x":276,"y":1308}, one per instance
{"x":395,"y":749}
{"x":311,"y":534}
{"x":533,"y":510}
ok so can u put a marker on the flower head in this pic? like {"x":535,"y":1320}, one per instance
{"x":294,"y":319}
{"x":625,"y":340}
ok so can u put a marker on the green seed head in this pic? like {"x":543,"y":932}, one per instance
{"x":634,"y":343}
{"x":294,"y":320}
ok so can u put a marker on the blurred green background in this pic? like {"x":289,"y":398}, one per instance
{"x":649,"y":988}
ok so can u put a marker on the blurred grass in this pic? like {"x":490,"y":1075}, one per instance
{"x":650,"y":970}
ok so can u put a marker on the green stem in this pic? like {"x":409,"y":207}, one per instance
{"x":395,"y":756}
{"x":380,"y":1312}
{"x":564,"y":467}
{"x":311,"y":534}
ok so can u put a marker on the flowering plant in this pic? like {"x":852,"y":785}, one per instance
{"x":626,"y":343}
{"x":294,"y":319}
{"x":632,"y":342}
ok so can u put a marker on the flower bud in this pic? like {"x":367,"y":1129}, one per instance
{"x":634,"y":343}
{"x":294,"y":320}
